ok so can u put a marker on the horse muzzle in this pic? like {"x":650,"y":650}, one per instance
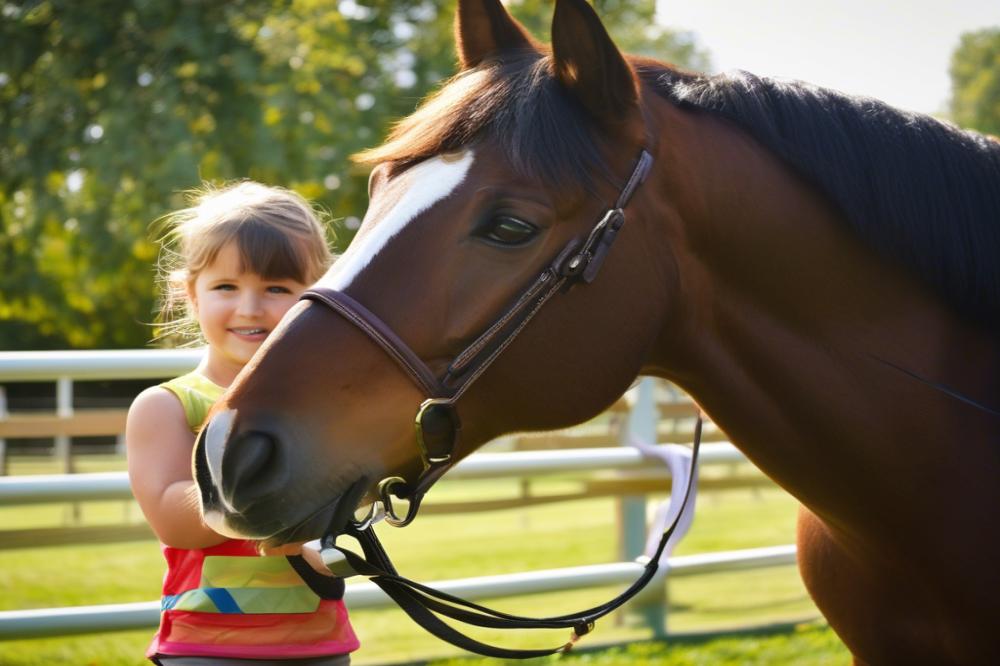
{"x":248,"y":491}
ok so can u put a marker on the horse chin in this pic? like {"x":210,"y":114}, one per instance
{"x":330,"y":518}
{"x":216,"y":521}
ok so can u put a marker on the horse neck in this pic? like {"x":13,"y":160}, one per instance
{"x":783,"y":326}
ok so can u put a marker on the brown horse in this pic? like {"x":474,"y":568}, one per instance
{"x":821,"y":273}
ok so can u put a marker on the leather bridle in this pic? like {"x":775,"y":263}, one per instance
{"x":437,"y":424}
{"x":437,"y":429}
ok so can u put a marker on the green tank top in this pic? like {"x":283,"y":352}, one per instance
{"x":197,"y":394}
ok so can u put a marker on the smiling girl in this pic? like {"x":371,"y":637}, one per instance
{"x":232,"y":265}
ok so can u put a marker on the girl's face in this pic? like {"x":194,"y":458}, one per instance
{"x":237,"y":310}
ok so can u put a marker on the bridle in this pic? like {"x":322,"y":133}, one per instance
{"x":437,"y":424}
{"x":437,"y":429}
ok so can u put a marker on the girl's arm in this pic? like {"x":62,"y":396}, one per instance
{"x":159,"y":445}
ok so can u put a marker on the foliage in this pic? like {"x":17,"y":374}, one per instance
{"x":109,"y":109}
{"x":975,"y":77}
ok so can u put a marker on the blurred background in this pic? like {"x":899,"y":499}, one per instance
{"x":111,"y":109}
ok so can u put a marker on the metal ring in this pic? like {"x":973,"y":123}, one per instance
{"x":386,"y":491}
{"x":376,"y":512}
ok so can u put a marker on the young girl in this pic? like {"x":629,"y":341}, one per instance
{"x":241,"y":257}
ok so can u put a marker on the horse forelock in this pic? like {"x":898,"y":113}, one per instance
{"x":519,"y":109}
{"x":919,"y":191}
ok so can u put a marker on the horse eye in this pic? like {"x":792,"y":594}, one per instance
{"x":506,"y":230}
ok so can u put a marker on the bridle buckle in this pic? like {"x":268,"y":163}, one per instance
{"x":437,"y":426}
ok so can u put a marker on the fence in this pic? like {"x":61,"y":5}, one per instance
{"x":63,"y":368}
{"x":643,"y":420}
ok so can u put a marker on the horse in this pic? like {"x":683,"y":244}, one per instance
{"x":818,"y":271}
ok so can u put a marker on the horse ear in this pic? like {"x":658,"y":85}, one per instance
{"x":484,"y":28}
{"x":589,"y":64}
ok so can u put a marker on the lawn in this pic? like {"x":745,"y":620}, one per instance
{"x":456,"y":546}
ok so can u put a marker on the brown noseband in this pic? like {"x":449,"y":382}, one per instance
{"x":437,"y":424}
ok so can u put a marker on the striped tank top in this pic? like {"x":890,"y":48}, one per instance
{"x":228,"y":601}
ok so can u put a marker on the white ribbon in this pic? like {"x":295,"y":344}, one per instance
{"x":678,"y":459}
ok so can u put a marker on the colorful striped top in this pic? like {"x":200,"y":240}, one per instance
{"x":228,"y":601}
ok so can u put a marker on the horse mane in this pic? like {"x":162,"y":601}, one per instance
{"x":918,"y":190}
{"x":515,"y":103}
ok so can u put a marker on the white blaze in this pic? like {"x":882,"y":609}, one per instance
{"x":426,"y":184}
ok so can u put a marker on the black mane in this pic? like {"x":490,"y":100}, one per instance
{"x":543,"y":132}
{"x":918,"y":190}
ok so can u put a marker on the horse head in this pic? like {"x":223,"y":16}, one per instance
{"x":502,"y":177}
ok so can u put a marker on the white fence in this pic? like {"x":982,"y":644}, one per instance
{"x":66,"y":366}
{"x":87,"y":619}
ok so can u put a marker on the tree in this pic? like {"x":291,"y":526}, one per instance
{"x":110,"y":109}
{"x":975,"y":81}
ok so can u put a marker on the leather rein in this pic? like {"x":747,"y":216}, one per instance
{"x":437,"y":430}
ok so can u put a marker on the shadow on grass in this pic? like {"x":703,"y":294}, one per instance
{"x":800,"y":643}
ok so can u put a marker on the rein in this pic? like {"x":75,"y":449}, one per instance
{"x":425,"y":604}
{"x":437,"y":430}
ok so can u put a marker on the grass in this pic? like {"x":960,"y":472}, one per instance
{"x":456,"y":546}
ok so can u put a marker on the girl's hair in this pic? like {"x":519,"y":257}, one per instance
{"x":278,"y":234}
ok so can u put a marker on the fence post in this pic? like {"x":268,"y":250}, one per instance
{"x":64,"y":443}
{"x":3,"y":442}
{"x":642,"y":422}
{"x":64,"y":410}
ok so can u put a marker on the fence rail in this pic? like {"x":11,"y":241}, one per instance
{"x":97,"y":364}
{"x":45,"y":488}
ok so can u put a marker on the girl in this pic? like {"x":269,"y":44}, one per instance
{"x":239,"y":259}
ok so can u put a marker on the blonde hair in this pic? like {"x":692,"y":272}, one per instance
{"x":279,"y":236}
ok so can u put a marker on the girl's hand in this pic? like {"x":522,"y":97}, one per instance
{"x":310,"y":555}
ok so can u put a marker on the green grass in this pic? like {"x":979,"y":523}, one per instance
{"x":457,"y":546}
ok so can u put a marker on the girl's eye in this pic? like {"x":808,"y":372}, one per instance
{"x":225,"y":287}
{"x":506,"y":230}
{"x":279,"y":290}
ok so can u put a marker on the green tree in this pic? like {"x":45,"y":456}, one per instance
{"x":109,"y":109}
{"x":975,"y":81}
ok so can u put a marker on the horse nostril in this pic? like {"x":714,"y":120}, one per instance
{"x":251,"y":469}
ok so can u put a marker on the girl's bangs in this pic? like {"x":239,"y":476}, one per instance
{"x":270,"y":252}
